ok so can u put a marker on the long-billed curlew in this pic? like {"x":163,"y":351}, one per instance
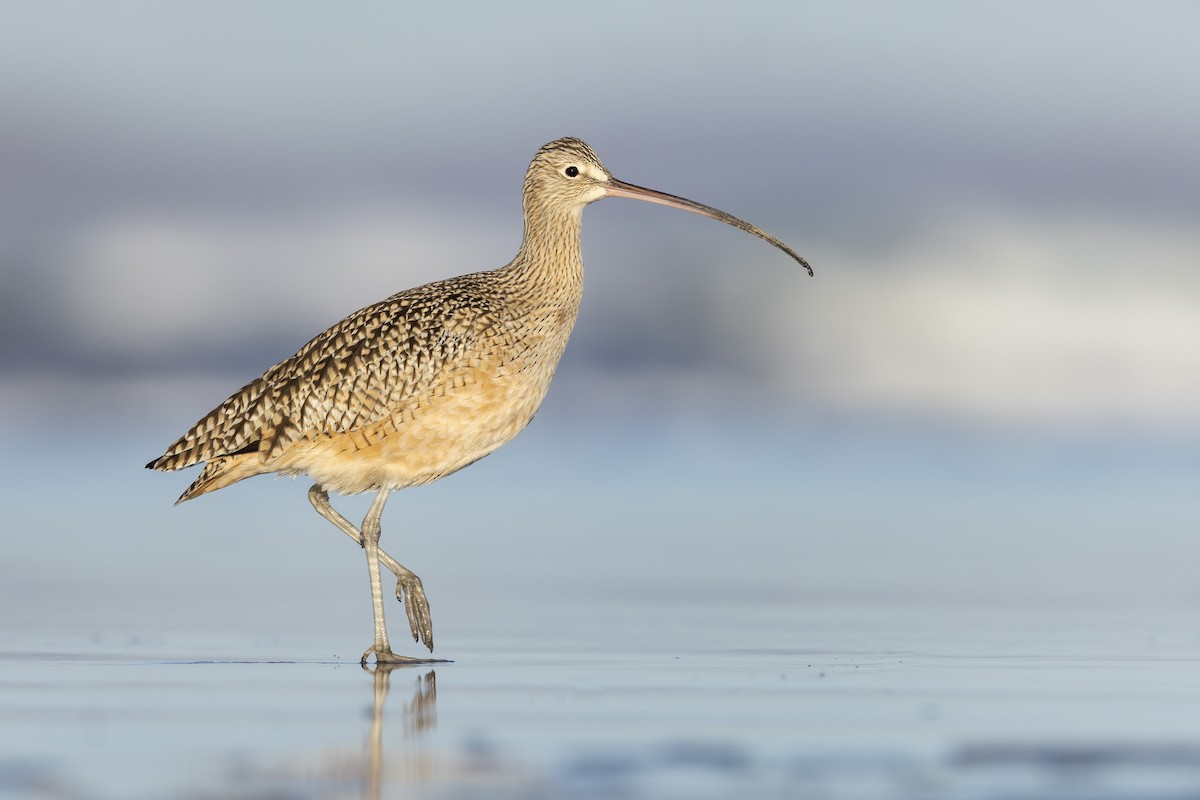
{"x":419,"y":385}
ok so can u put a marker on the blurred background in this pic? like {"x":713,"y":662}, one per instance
{"x":987,"y":394}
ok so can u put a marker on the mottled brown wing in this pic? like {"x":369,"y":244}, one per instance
{"x":361,"y":370}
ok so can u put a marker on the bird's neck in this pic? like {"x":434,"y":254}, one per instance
{"x":550,"y":260}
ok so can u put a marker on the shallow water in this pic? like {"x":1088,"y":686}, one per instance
{"x":844,"y":703}
{"x":779,"y":613}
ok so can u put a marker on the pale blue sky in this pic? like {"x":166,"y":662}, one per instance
{"x":999,"y":198}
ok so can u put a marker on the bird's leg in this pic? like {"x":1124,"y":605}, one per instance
{"x":371,"y":531}
{"x":408,"y":586}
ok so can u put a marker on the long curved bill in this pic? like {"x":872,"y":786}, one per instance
{"x":616,"y":188}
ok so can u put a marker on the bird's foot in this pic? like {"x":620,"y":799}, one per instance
{"x":411,"y":593}
{"x":384,"y":655}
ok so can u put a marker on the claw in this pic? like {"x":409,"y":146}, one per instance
{"x":417,"y":608}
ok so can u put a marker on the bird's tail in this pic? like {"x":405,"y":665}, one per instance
{"x":221,"y":472}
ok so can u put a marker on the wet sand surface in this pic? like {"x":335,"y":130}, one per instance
{"x":954,"y":704}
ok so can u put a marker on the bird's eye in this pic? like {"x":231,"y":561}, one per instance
{"x":571,"y":172}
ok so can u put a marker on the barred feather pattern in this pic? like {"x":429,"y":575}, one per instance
{"x":346,"y":377}
{"x":388,"y":363}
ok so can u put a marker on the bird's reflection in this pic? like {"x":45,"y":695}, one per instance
{"x":418,"y":716}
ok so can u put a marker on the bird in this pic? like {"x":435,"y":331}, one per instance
{"x":423,"y":383}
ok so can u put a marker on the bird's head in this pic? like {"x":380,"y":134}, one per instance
{"x":566,"y":174}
